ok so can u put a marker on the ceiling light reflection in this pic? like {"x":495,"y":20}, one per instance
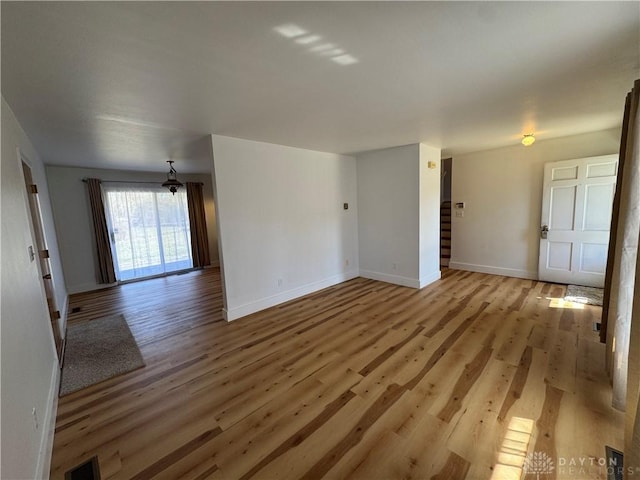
{"x":320,"y":48}
{"x":308,"y":39}
{"x":345,"y":60}
{"x":331,"y":53}
{"x":290,"y":30}
{"x":302,"y":37}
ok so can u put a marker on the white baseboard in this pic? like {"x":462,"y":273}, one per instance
{"x":507,"y":272}
{"x":395,"y":279}
{"x":48,"y":426}
{"x":89,"y":287}
{"x":429,"y":279}
{"x":264,"y":303}
{"x":64,"y":311}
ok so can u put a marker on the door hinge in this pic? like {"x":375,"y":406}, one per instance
{"x":56,"y":314}
{"x":33,"y":188}
{"x":47,"y":276}
{"x":44,"y":253}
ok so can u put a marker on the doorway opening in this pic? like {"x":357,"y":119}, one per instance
{"x":445,"y":212}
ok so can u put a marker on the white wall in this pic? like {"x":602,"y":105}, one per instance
{"x":283,"y":231}
{"x":398,"y":215}
{"x":388,"y":213}
{"x":429,"y":214}
{"x":75,"y":228}
{"x":502,"y":191}
{"x":29,"y":362}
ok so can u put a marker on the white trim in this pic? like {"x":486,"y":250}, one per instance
{"x":49,"y":425}
{"x":429,"y":279}
{"x":63,"y":314}
{"x":231,"y":314}
{"x":395,"y":279}
{"x":507,"y":272}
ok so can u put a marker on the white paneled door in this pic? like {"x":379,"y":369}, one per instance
{"x":576,"y":216}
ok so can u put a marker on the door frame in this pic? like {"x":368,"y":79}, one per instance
{"x":40,"y":251}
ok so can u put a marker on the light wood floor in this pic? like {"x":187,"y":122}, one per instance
{"x":362,"y":380}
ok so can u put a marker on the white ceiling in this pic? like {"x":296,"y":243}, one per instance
{"x":132,"y":84}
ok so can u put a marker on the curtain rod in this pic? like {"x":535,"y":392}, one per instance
{"x":131,"y":181}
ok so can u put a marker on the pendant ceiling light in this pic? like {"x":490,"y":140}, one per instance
{"x":528,"y":139}
{"x":172,"y":182}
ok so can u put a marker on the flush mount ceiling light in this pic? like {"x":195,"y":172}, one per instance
{"x":528,"y":139}
{"x":172,"y":182}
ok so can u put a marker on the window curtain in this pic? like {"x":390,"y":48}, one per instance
{"x":106,"y":271}
{"x":150,"y":229}
{"x":198,"y":225}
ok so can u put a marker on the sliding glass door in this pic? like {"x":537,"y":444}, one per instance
{"x":149,"y":230}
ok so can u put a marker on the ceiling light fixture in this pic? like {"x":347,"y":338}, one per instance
{"x":172,"y":182}
{"x":528,"y":139}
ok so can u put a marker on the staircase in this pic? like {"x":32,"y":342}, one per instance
{"x":445,"y":233}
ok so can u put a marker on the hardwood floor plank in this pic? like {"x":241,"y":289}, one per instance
{"x":456,"y":467}
{"x":470,"y":375}
{"x":360,"y":380}
{"x":517,"y":384}
{"x":353,"y":437}
{"x":297,"y":438}
{"x":546,"y":424}
{"x":177,"y":454}
{"x":382,"y":357}
{"x":477,"y":432}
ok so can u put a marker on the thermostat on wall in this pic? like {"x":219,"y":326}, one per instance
{"x":459,"y":204}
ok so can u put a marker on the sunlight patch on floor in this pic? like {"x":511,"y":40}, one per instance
{"x":513,"y":449}
{"x":562,"y":303}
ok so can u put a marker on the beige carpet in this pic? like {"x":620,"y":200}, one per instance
{"x":96,"y":351}
{"x":588,"y":295}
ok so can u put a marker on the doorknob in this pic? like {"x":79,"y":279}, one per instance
{"x":544,"y":230}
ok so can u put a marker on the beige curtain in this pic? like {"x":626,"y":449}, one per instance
{"x":106,"y":271}
{"x":198,"y":225}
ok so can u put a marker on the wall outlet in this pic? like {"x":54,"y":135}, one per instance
{"x":279,"y":282}
{"x":394,"y":266}
{"x":34,"y":414}
{"x":346,"y":262}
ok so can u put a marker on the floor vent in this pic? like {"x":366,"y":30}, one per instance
{"x":75,"y":309}
{"x":89,"y":470}
{"x":615,"y":467}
